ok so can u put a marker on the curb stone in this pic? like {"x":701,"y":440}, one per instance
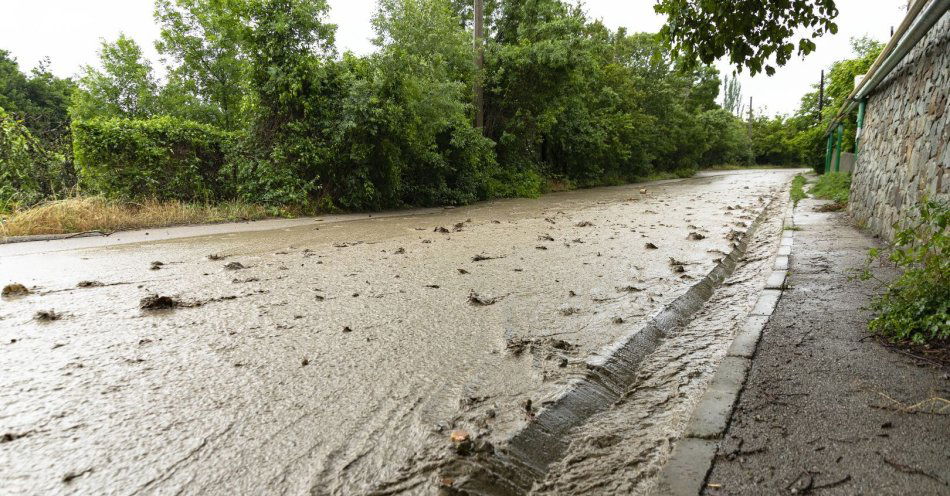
{"x":691,"y":459}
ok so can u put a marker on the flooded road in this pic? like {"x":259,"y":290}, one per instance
{"x":334,"y":355}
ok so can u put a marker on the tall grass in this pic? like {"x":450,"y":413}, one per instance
{"x":835,"y":186}
{"x":95,"y":213}
{"x":798,"y":189}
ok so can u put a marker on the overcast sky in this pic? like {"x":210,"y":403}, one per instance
{"x":68,"y":32}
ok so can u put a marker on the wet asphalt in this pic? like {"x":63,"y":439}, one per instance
{"x":828,"y":408}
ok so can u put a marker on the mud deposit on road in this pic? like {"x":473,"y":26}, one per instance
{"x":347,"y":357}
{"x":622,"y":450}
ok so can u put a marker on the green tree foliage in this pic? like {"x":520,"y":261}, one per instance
{"x":294,"y":86}
{"x":40,"y":100}
{"x":751,"y":32}
{"x":800,"y":138}
{"x":841,"y":83}
{"x":29,"y":172}
{"x":728,"y":141}
{"x":125,"y":87}
{"x":405,"y":131}
{"x":203,"y":39}
{"x":732,"y":94}
{"x":257,"y":89}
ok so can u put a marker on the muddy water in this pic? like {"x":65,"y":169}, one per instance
{"x":345,"y":350}
{"x":621,"y":451}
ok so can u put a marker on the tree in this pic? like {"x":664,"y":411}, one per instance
{"x":40,"y":100}
{"x":204,"y":39}
{"x":753,"y":33}
{"x":732,"y":94}
{"x":288,"y":44}
{"x":125,"y":87}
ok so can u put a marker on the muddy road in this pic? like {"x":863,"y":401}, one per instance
{"x":338,"y":355}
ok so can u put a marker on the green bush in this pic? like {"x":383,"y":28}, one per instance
{"x":162,"y":158}
{"x":28,"y":171}
{"x":916,"y":306}
{"x":834,"y":186}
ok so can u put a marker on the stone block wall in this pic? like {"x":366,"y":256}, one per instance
{"x":905,"y":146}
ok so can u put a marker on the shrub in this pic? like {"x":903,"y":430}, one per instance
{"x":163,"y":158}
{"x":916,"y":306}
{"x":28,"y":171}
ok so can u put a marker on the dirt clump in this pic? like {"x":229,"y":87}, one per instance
{"x":158,"y":302}
{"x":89,"y":284}
{"x":234,"y":266}
{"x":156,"y":265}
{"x":47,"y":315}
{"x":830,"y":207}
{"x":677,"y":266}
{"x":479,"y":258}
{"x":14,"y":290}
{"x":482,"y":301}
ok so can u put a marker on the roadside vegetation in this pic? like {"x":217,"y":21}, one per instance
{"x":834,"y":186}
{"x":99,"y":214}
{"x":915,"y":307}
{"x":259,"y":109}
{"x":798,"y":189}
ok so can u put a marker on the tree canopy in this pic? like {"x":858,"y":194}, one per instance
{"x":753,"y":34}
{"x":256,"y":104}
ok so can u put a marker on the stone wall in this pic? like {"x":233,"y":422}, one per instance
{"x":905,"y":146}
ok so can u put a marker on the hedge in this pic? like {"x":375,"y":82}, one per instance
{"x":163,"y":158}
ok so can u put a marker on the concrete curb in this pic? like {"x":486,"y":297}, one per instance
{"x":50,"y":237}
{"x":685,"y":472}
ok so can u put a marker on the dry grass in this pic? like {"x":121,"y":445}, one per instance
{"x":86,"y":214}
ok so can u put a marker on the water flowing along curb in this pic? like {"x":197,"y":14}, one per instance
{"x":526,"y":455}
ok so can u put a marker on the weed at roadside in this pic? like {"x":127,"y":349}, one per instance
{"x":915,"y":307}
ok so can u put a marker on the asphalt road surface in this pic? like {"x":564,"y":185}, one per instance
{"x":332,"y":355}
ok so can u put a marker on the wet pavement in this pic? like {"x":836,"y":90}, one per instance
{"x":827,"y":407}
{"x":336,"y":355}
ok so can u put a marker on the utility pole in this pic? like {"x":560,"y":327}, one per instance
{"x":750,"y":117}
{"x":821,"y":95}
{"x":479,"y":64}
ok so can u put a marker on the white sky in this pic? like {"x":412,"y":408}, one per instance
{"x":68,"y":31}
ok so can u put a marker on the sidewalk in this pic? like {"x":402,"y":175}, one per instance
{"x":827,"y":409}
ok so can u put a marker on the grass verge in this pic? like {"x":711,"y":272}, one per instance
{"x":835,"y":186}
{"x":85,"y":214}
{"x":798,"y":189}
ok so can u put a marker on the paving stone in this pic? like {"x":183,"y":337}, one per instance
{"x":748,"y":337}
{"x":781,"y":262}
{"x":766,"y":302}
{"x":712,"y":413}
{"x":685,"y":472}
